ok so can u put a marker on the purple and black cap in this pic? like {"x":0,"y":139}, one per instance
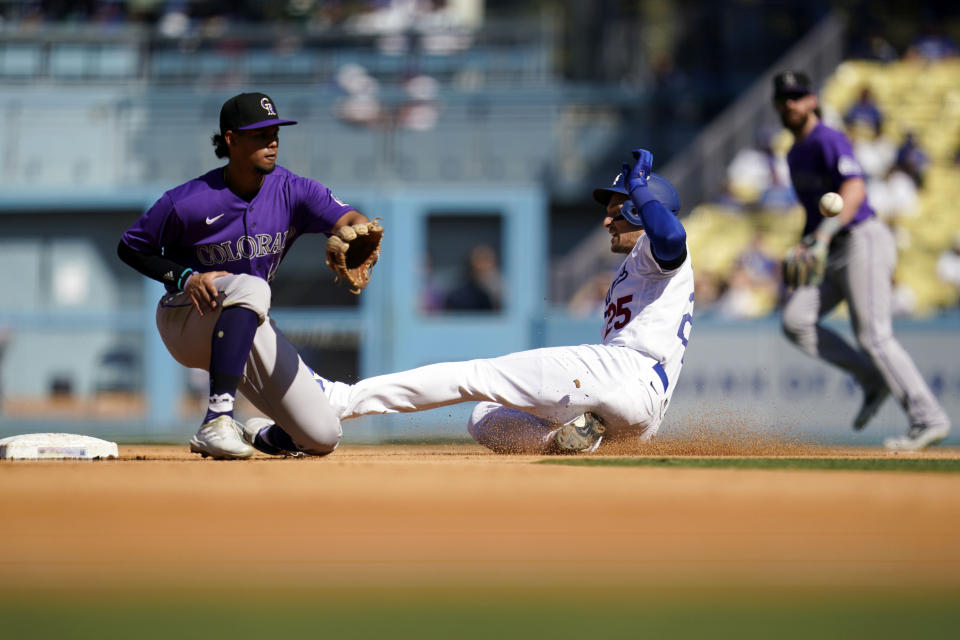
{"x":791,"y":84}
{"x":249,"y":111}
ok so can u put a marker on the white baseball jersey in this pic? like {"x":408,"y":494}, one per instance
{"x":627,"y":380}
{"x":651,"y":310}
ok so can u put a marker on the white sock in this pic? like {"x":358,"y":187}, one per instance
{"x":220,"y":403}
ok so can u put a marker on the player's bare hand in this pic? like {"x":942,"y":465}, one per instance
{"x":202,"y":291}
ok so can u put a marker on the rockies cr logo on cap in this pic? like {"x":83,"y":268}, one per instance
{"x":250,"y":111}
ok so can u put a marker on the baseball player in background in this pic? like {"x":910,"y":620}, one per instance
{"x":569,"y":399}
{"x":215,"y":242}
{"x":850,"y":256}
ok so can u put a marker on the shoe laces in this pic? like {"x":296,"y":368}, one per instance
{"x":222,"y":429}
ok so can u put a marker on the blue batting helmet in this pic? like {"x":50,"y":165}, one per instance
{"x":660,"y":187}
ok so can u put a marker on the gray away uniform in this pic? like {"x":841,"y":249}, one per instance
{"x":860,"y":265}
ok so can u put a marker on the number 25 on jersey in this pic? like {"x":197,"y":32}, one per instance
{"x":617,"y":314}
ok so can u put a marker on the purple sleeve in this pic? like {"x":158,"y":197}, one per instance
{"x":317,"y":208}
{"x":840,"y":160}
{"x":153,"y":229}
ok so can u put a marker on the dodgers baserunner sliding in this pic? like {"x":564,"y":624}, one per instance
{"x":570,"y":399}
{"x":216,"y":242}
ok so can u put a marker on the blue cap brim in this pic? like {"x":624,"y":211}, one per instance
{"x":275,"y":122}
{"x":603,"y":194}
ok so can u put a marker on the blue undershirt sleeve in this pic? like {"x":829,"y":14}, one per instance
{"x":668,"y":238}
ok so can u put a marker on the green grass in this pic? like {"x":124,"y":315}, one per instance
{"x":482,"y":616}
{"x":941,"y":465}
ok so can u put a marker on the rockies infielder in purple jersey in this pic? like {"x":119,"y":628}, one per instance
{"x":860,"y":256}
{"x":215,"y":242}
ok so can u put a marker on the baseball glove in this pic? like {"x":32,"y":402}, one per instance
{"x":805,"y":263}
{"x":353,"y":250}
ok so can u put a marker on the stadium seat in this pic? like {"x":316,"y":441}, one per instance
{"x":923,"y":98}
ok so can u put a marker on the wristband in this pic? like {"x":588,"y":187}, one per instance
{"x":829,"y":227}
{"x":182,"y":280}
{"x":641,"y":195}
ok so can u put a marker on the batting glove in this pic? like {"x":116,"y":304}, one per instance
{"x":636,"y":177}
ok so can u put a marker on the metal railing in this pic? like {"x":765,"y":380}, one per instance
{"x":700,"y":170}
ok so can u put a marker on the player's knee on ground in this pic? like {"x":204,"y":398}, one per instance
{"x":250,"y":292}
{"x":507,"y":430}
{"x":318,"y":440}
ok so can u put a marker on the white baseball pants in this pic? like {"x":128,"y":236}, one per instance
{"x":527,"y":393}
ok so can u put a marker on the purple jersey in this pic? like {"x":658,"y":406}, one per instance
{"x":819,"y":163}
{"x":203,"y":225}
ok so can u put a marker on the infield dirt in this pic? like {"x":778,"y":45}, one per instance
{"x":401,"y":517}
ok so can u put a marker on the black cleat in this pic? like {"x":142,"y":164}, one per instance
{"x":256,"y":431}
{"x":873,"y":399}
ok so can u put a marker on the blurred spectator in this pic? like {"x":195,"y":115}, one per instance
{"x":754,"y":283}
{"x":876,"y":152}
{"x":431,"y":294}
{"x":744,"y":298}
{"x":361,"y":103}
{"x":873,"y":46}
{"x":932,"y":44}
{"x":895,"y":197}
{"x":897,"y":194}
{"x":175,"y":20}
{"x":865,"y":111}
{"x":728,"y":197}
{"x":912,"y":159}
{"x":760,"y":174}
{"x":708,"y":286}
{"x":756,"y":260}
{"x":420,"y":111}
{"x":408,"y":16}
{"x":481,"y":288}
{"x":867,"y":39}
{"x":948,"y":264}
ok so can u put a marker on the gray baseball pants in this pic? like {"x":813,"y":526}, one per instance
{"x":860,"y":270}
{"x":275,"y":378}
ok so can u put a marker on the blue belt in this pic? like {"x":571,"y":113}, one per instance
{"x":663,"y":375}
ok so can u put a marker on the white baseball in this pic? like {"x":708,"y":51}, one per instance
{"x":831,"y":204}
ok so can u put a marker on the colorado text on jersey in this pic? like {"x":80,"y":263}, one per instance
{"x":244,"y":248}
